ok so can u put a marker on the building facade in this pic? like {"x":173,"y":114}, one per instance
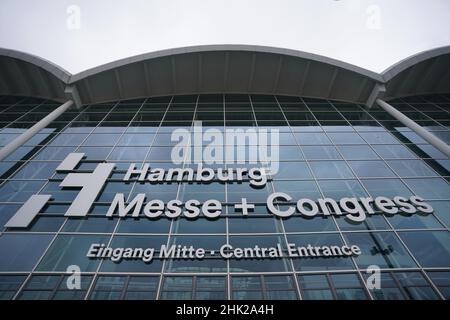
{"x":334,"y":140}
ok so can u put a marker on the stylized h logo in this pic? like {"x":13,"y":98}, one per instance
{"x":90,"y":183}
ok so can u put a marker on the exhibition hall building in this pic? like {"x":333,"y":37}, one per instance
{"x":228,"y":172}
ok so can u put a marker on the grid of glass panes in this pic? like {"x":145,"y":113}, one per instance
{"x":17,"y":114}
{"x":327,"y":149}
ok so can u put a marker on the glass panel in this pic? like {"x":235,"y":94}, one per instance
{"x":358,"y":152}
{"x":69,"y":250}
{"x":380,"y":248}
{"x":278,"y":282}
{"x":18,"y":190}
{"x":35,"y":295}
{"x":90,"y":224}
{"x":70,"y":295}
{"x":430,"y":188}
{"x":210,"y":295}
{"x":330,"y":169}
{"x":346,"y":138}
{"x":313,"y":281}
{"x":415,"y":286}
{"x":442,"y":211}
{"x":43,"y":282}
{"x":338,"y":189}
{"x":131,"y":225}
{"x":372,"y":169}
{"x":386,"y":187}
{"x":20,"y":252}
{"x":110,"y":283}
{"x":177,"y":283}
{"x":351,"y":294}
{"x":372,"y":222}
{"x":140,"y":295}
{"x":320,"y":152}
{"x":312,"y":138}
{"x":393,"y":151}
{"x":247,"y":282}
{"x":431,"y":248}
{"x":9,"y":284}
{"x":411,"y":168}
{"x":291,"y":170}
{"x":215,"y":283}
{"x":247,"y":295}
{"x":304,"y":224}
{"x":414,"y":221}
{"x":105,"y":295}
{"x":442,"y":280}
{"x":322,"y":294}
{"x":281,"y":295}
{"x":253,"y":225}
{"x":379,"y":137}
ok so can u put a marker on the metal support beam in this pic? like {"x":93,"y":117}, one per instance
{"x":332,"y":81}
{"x":72,"y":94}
{"x":88,"y":86}
{"x":277,"y":76}
{"x":119,"y":83}
{"x":147,"y":79}
{"x":24,"y":137}
{"x":378,"y":92}
{"x":304,"y":78}
{"x":174,"y":74}
{"x":199,"y":71}
{"x":361,"y":89}
{"x":426,"y":135}
{"x":225,"y":70}
{"x":252,"y":73}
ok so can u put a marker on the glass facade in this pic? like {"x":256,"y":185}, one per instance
{"x":327,"y":149}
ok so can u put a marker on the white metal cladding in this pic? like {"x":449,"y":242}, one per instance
{"x":224,"y":69}
{"x":424,"y":73}
{"x":28,"y":75}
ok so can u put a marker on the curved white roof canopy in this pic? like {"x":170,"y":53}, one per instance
{"x":423,"y":73}
{"x":24,"y":74}
{"x":225,"y":69}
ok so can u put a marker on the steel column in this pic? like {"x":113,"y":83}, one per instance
{"x":425,"y":134}
{"x":27,"y":135}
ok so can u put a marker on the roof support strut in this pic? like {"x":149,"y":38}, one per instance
{"x":426,"y":135}
{"x":27,"y":135}
{"x":72,"y":94}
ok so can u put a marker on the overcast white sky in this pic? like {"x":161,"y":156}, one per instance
{"x":373,"y":34}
